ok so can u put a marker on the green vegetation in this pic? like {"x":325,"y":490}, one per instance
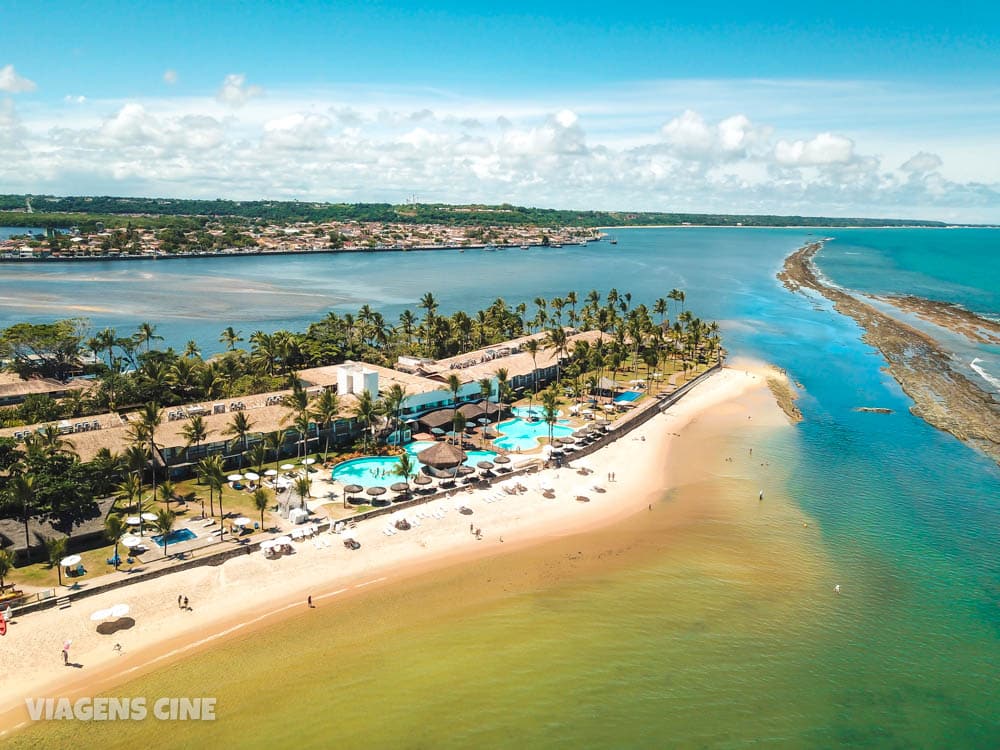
{"x":177,"y":213}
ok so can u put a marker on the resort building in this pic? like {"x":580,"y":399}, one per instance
{"x":428,"y":405}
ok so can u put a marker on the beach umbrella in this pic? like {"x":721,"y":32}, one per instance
{"x":485,"y":465}
{"x":282,"y":540}
{"x":101,"y":614}
{"x":353,"y":489}
{"x":133,"y":520}
{"x":252,"y":476}
{"x":70,"y":561}
{"x":483,"y":420}
{"x":422,"y":480}
{"x":437,"y":431}
{"x":464,"y":471}
{"x":287,"y":467}
{"x":565,"y":440}
{"x":442,"y":456}
{"x":131,"y":541}
{"x":148,"y":516}
{"x":308,"y":461}
{"x":234,"y":477}
{"x":581,"y":433}
{"x":501,"y":460}
{"x":400,"y":487}
{"x":376,"y":491}
{"x":242,"y":521}
{"x":271,"y":473}
{"x":119,"y":610}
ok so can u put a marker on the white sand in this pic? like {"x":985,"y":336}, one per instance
{"x":247,"y":591}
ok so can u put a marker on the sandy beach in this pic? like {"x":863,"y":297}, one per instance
{"x":254,"y":592}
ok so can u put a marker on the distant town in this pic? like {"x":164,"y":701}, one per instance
{"x":218,"y":238}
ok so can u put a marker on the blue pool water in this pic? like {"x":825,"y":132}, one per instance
{"x":627,"y":397}
{"x":518,"y":435}
{"x":378,"y":470}
{"x":179,"y":535}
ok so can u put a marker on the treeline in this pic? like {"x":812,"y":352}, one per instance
{"x":68,"y":210}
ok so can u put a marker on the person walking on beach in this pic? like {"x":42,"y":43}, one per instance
{"x":180,"y":598}
{"x":309,"y":601}
{"x":186,"y":603}
{"x":760,"y":496}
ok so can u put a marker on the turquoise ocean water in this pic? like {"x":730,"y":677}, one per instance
{"x":672,"y":654}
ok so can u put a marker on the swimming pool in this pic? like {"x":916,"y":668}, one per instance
{"x":178,"y":535}
{"x":520,"y":435}
{"x":379,"y":470}
{"x":627,"y":396}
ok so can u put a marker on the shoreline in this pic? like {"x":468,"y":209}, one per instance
{"x":251,"y":592}
{"x":942,"y":397}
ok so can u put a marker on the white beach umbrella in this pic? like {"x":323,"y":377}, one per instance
{"x":308,"y":461}
{"x":234,"y":477}
{"x":70,"y":561}
{"x":271,"y":473}
{"x":287,"y":467}
{"x":133,"y":520}
{"x":242,"y":521}
{"x":283,"y":540}
{"x":148,"y":516}
{"x":101,"y":614}
{"x":131,"y":541}
{"x":252,"y":476}
{"x":119,"y":610}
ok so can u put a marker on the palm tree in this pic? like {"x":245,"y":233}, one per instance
{"x":405,"y":468}
{"x":115,"y":527}
{"x":22,"y":492}
{"x":130,"y":486}
{"x":165,"y":524}
{"x":458,"y":423}
{"x":238,"y":429}
{"x":206,"y":469}
{"x":56,"y":548}
{"x":256,"y":456}
{"x":395,"y":399}
{"x":550,"y":408}
{"x":260,"y":502}
{"x":194,"y":432}
{"x":217,"y":480}
{"x":6,"y":564}
{"x":230,"y":338}
{"x":191,"y":349}
{"x":325,"y":411}
{"x":454,"y":384}
{"x":302,"y":489}
{"x":502,"y":388}
{"x":144,"y":430}
{"x":167,"y":490}
{"x":273,"y":442}
{"x":557,"y":340}
{"x":146,"y":334}
{"x":365,"y":412}
{"x":531,"y":346}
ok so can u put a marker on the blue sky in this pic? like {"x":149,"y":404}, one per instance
{"x":847,"y":108}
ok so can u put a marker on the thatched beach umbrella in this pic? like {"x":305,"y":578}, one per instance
{"x":376,"y":491}
{"x":400,"y":487}
{"x":485,"y":465}
{"x":352,"y":489}
{"x":464,"y":471}
{"x":422,"y":480}
{"x":442,"y":456}
{"x":501,"y":460}
{"x":565,"y":440}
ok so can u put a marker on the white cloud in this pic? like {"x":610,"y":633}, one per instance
{"x":75,"y":99}
{"x":12,"y":83}
{"x":235,"y":92}
{"x":825,"y":148}
{"x":170,"y":76}
{"x":600,"y":152}
{"x":922,"y":162}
